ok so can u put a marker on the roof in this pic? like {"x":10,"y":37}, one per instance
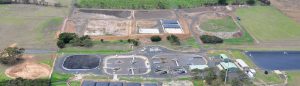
{"x":227,"y":65}
{"x":224,"y":56}
{"x":171,"y":26}
{"x":88,"y":83}
{"x":102,"y":84}
{"x":175,"y":31}
{"x":148,"y":30}
{"x":169,"y":21}
{"x":116,"y":84}
{"x":241,"y":63}
{"x":201,"y":67}
{"x":133,"y":84}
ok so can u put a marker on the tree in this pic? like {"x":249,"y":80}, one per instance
{"x":236,"y":82}
{"x":222,"y":2}
{"x":155,"y":38}
{"x":251,"y":2}
{"x":173,"y":39}
{"x":67,"y":37}
{"x":196,"y":74}
{"x":11,"y":55}
{"x":162,"y":5}
{"x":211,"y":39}
{"x":211,"y":75}
{"x":60,"y":44}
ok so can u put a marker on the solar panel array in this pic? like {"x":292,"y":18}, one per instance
{"x":170,"y":24}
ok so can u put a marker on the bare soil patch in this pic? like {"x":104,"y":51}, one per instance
{"x":28,"y":70}
{"x":107,"y":27}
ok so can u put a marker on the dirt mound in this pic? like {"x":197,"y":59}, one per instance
{"x":28,"y":70}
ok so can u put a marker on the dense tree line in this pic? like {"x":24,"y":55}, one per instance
{"x":11,"y":55}
{"x":5,"y":1}
{"x":153,"y":4}
{"x":25,"y":82}
{"x":74,"y":40}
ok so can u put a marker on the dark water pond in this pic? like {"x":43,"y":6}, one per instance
{"x":276,"y":60}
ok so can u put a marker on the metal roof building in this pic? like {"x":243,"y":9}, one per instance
{"x":171,"y":26}
{"x":227,"y":65}
{"x":241,"y":63}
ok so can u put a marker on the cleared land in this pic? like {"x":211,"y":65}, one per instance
{"x":268,"y":24}
{"x":219,"y":25}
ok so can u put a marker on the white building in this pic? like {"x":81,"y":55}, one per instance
{"x":242,"y":65}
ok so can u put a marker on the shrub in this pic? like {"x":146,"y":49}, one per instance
{"x":173,"y":39}
{"x":57,"y":4}
{"x":211,"y":39}
{"x":155,"y":38}
{"x":87,"y":43}
{"x":102,"y":40}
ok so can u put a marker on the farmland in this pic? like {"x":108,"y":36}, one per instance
{"x":30,"y":26}
{"x":268,"y":24}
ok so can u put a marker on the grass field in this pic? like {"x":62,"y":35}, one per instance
{"x":107,"y":47}
{"x":219,"y":25}
{"x":31,"y":26}
{"x":266,"y":23}
{"x":293,"y":78}
{"x":146,"y":4}
{"x":59,"y":79}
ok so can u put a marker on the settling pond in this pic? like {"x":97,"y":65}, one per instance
{"x":276,"y":60}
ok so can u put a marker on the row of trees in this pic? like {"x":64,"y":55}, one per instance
{"x":171,"y":38}
{"x":74,"y":40}
{"x":25,"y":82}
